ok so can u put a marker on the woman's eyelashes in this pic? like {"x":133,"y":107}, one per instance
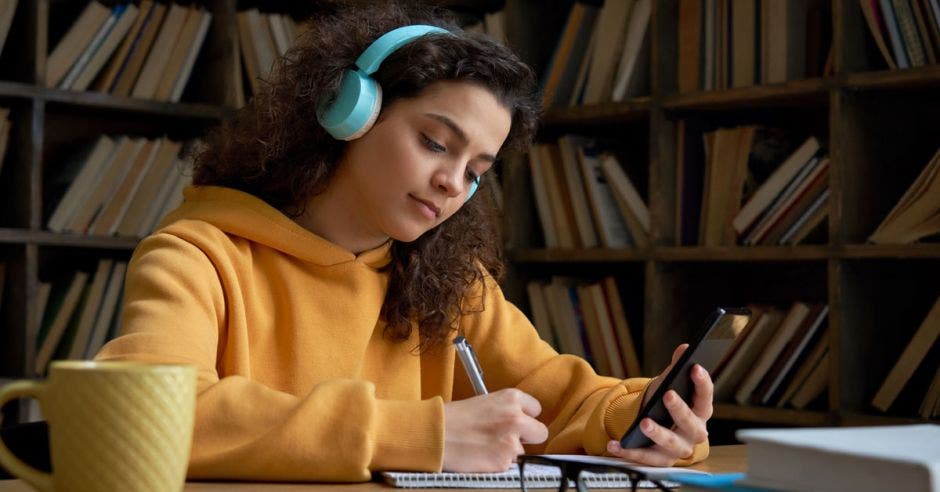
{"x":432,"y":145}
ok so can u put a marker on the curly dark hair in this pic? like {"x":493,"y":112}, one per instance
{"x":274,"y":148}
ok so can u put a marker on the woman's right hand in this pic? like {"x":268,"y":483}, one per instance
{"x":486,"y":433}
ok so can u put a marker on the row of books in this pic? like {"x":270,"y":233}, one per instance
{"x":738,"y":43}
{"x":584,"y":198}
{"x":917,"y":214}
{"x":751,"y":185}
{"x":146,"y":52}
{"x":914,"y":355}
{"x":586,"y":319}
{"x":80,"y":313}
{"x":5,"y":126}
{"x":780,"y":358}
{"x":262,"y":37}
{"x":602,"y":55}
{"x":120,"y":185}
{"x":7,"y":11}
{"x":907,"y":32}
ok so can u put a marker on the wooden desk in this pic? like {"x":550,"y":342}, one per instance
{"x":723,"y":459}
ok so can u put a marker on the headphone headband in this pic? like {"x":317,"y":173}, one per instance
{"x":370,"y":59}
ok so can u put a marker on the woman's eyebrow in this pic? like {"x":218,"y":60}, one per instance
{"x":454,"y":127}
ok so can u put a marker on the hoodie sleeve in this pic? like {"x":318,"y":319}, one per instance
{"x":174,"y":312}
{"x":583,"y":411}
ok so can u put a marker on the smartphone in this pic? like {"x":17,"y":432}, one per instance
{"x":715,"y":339}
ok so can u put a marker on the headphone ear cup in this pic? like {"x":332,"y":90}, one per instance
{"x":355,"y":108}
{"x":473,"y":189}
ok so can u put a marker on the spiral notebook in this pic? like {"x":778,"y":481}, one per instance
{"x":537,"y":476}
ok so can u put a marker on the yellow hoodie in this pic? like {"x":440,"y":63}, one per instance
{"x":296,"y":381}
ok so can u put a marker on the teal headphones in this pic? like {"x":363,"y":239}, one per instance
{"x":359,"y":98}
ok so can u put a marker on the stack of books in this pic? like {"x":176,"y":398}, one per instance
{"x":146,"y":52}
{"x":586,"y":319}
{"x":80,"y":313}
{"x":907,"y":33}
{"x":602,"y":55}
{"x":119,"y":186}
{"x":781,"y":358}
{"x":584,"y":198}
{"x":5,"y":127}
{"x":263,"y":37}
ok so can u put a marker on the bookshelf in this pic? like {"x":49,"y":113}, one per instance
{"x":50,"y":125}
{"x":879,"y":128}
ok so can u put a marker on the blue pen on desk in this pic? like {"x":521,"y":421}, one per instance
{"x":470,"y":364}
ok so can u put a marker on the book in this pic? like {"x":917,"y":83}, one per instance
{"x":178,"y":54}
{"x":568,"y":150}
{"x":894,"y":34}
{"x":146,"y":85}
{"x":785,"y":40}
{"x":774,"y":185}
{"x":771,"y":387}
{"x":125,"y":19}
{"x":590,"y":323}
{"x":75,"y":41}
{"x":746,"y":354}
{"x":536,"y":476}
{"x":609,"y":33}
{"x":814,"y":355}
{"x":875,"y":23}
{"x":923,"y":340}
{"x":182,"y":79}
{"x":618,"y":315}
{"x":916,"y":214}
{"x":784,"y":333}
{"x":145,"y":197}
{"x":61,"y":307}
{"x":108,"y":311}
{"x":806,"y":223}
{"x":139,"y":51}
{"x":815,"y":384}
{"x":559,"y":79}
{"x":105,"y":81}
{"x":115,"y":205}
{"x":612,"y":229}
{"x":7,"y":12}
{"x":91,"y":165}
{"x":633,"y":66}
{"x":743,"y":42}
{"x":931,"y":397}
{"x":542,"y":200}
{"x":90,"y":308}
{"x":689,"y":45}
{"x":540,"y":317}
{"x":110,"y":176}
{"x":562,"y":216}
{"x":861,"y":459}
{"x":632,"y":207}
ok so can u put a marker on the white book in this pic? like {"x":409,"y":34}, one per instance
{"x":279,"y":32}
{"x":71,"y":46}
{"x":159,"y":56}
{"x":611,"y":226}
{"x":622,"y":185}
{"x":542,"y":203}
{"x":860,"y":459}
{"x":568,"y":146}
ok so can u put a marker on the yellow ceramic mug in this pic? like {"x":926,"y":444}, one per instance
{"x":112,"y":426}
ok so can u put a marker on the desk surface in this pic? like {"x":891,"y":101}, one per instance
{"x":723,"y":459}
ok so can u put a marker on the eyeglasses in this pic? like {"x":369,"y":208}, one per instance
{"x":543,"y":472}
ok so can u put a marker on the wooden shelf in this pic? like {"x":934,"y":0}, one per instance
{"x":742,"y":253}
{"x":785,"y":416}
{"x":47,"y":238}
{"x":852,"y":418}
{"x":793,"y":93}
{"x":920,"y":77}
{"x":594,"y":255}
{"x":636,"y":109}
{"x":900,"y":251}
{"x":98,"y":100}
{"x":18,"y":89}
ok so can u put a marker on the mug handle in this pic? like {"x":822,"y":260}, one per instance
{"x":39,"y":479}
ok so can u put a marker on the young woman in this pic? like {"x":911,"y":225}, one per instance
{"x":317,"y":283}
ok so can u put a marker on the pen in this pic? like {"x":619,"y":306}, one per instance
{"x":470,"y":364}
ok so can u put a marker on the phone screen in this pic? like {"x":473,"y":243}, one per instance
{"x":710,"y":346}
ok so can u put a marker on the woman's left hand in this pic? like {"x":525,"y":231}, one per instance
{"x":671,"y":445}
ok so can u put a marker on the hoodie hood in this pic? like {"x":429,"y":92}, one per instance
{"x":244,"y":215}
